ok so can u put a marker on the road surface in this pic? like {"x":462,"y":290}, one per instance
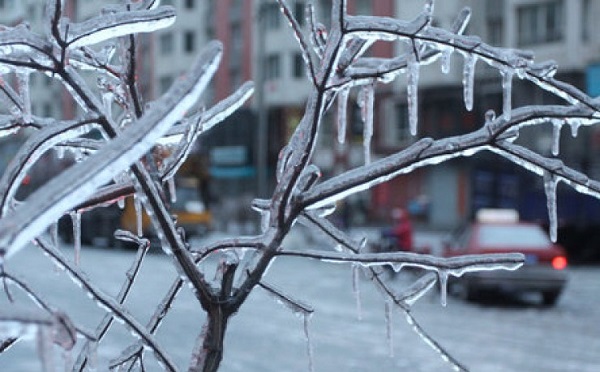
{"x":507,"y":335}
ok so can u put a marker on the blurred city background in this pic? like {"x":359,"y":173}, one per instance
{"x":235,"y":162}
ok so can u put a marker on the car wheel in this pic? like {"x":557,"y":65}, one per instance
{"x":550,"y":298}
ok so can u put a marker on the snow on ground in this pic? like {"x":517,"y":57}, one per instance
{"x":508,"y":335}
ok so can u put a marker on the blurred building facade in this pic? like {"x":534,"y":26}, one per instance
{"x":256,"y":36}
{"x":556,"y":30}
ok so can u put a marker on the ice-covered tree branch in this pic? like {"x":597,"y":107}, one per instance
{"x":339,"y":70}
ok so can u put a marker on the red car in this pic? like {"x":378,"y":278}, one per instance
{"x":543,"y":271}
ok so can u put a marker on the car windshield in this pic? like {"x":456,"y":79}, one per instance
{"x":184,"y":195}
{"x":512,"y":236}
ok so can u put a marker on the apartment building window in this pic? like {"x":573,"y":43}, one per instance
{"x":495,"y":30}
{"x":189,"y":4}
{"x":47,"y":110}
{"x":324,"y":11}
{"x":236,"y":42}
{"x":189,"y":41}
{"x":166,"y":43}
{"x":299,"y":12}
{"x":298,"y":66}
{"x":541,"y":23}
{"x":164,"y":83}
{"x":273,"y":67}
{"x":396,"y":130}
{"x":6,"y":4}
{"x":586,"y":20}
{"x":272,"y":16}
{"x":363,"y":7}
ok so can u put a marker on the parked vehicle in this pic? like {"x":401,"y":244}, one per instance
{"x":501,"y":232}
{"x":98,"y":225}
{"x":189,"y":210}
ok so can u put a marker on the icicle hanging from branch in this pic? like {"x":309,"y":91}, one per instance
{"x":342,"y":117}
{"x":412,"y":90}
{"x":556,"y":127}
{"x":76,"y":219}
{"x":550,"y":185}
{"x":445,"y":59}
{"x":366,"y":103}
{"x":507,"y":77}
{"x":469,"y":80}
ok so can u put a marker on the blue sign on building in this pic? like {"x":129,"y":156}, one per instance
{"x":592,"y":80}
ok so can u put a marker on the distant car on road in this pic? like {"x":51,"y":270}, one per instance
{"x":500,"y":232}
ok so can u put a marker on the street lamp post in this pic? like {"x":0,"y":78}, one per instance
{"x":262,"y":130}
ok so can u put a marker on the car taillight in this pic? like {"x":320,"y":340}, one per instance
{"x":559,"y":262}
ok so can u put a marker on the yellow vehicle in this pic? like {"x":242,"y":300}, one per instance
{"x":190,"y":211}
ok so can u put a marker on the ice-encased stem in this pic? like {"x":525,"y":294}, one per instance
{"x":507,"y":78}
{"x":412,"y":90}
{"x":468,"y":80}
{"x":342,"y":119}
{"x":550,"y":185}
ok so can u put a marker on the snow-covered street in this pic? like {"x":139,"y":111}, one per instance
{"x":266,"y":336}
